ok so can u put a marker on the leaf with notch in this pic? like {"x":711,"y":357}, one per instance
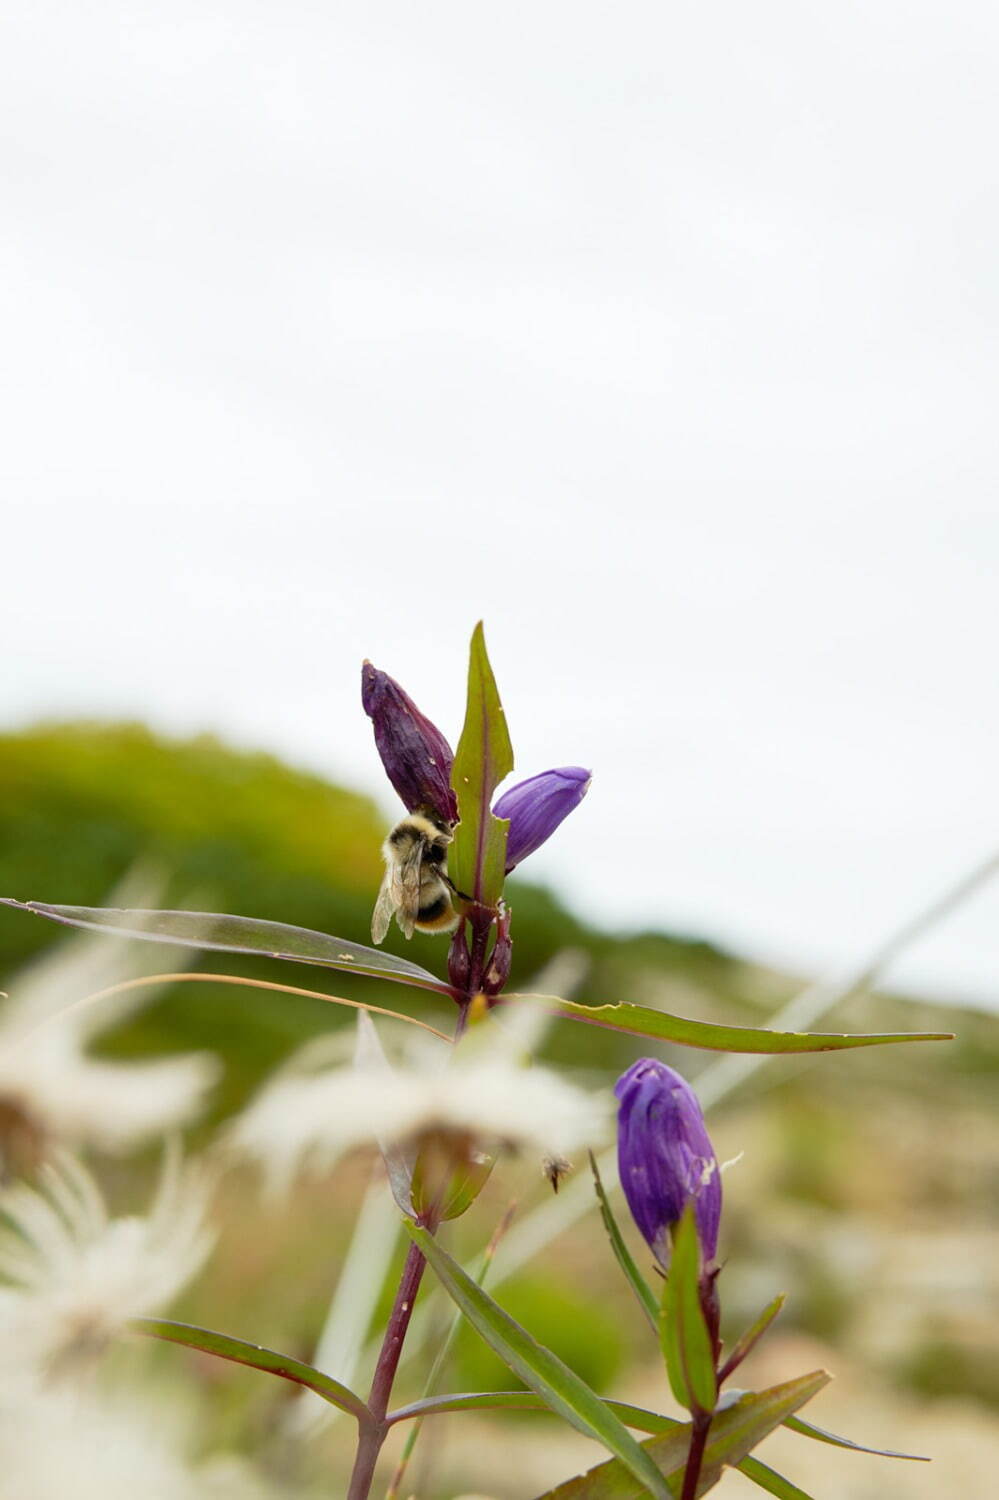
{"x":221,"y":933}
{"x":477,"y":857}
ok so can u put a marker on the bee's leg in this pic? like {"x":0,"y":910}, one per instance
{"x":452,"y":887}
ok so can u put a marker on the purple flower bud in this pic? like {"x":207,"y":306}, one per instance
{"x":416,"y":756}
{"x":537,"y":806}
{"x":665,"y":1157}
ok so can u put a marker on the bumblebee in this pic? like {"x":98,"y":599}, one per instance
{"x":416,"y":888}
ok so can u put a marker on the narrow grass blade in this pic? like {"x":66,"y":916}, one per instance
{"x":558,"y":1386}
{"x":242,"y":1353}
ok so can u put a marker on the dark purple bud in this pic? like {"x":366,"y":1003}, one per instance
{"x":459,"y":960}
{"x":665,"y":1157}
{"x":537,"y":806}
{"x":416,"y":756}
{"x":498,"y":969}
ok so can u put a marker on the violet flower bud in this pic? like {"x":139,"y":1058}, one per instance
{"x":416,"y":756}
{"x":666,"y":1158}
{"x":537,"y":806}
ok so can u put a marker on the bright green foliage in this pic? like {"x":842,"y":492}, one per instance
{"x":477,"y":858}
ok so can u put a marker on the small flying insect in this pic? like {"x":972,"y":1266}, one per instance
{"x":416,"y":888}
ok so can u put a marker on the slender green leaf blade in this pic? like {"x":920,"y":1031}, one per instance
{"x":768,"y":1479}
{"x":477,"y":857}
{"x":242,"y":1353}
{"x":734,"y":1433}
{"x":221,"y":933}
{"x":632,"y":1416}
{"x":808,"y":1429}
{"x":752,"y":1335}
{"x":637,"y":1282}
{"x":639,"y":1020}
{"x":558,"y":1386}
{"x":683,"y":1331}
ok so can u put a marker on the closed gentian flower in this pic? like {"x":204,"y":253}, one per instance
{"x":666,"y":1158}
{"x":537,"y":806}
{"x":416,"y":756}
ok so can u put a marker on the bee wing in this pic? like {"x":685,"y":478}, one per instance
{"x":405,"y":884}
{"x":384,"y":907}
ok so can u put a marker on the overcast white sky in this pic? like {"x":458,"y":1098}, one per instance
{"x":662,"y":336}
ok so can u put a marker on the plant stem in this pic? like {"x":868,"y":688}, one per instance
{"x":481,"y":924}
{"x":392,"y":1493}
{"x":698,"y":1438}
{"x":372,"y":1436}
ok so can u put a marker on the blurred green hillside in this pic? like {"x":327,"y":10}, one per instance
{"x":81,"y":804}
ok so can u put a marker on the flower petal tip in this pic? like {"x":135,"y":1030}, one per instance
{"x":537,"y":806}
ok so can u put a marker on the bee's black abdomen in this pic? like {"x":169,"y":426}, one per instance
{"x":434,"y":910}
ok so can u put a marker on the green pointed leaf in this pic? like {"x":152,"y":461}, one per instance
{"x":221,"y":933}
{"x":559,"y":1387}
{"x":808,"y":1429}
{"x":734,"y":1433}
{"x":476,"y":860}
{"x":639,"y":1020}
{"x":768,"y":1479}
{"x":751,"y":1337}
{"x":637,"y":1282}
{"x":242,"y":1353}
{"x":683,"y":1331}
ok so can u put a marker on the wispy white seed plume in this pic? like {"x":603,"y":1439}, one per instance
{"x":51,"y":1090}
{"x":307,"y":1117}
{"x":73,"y":1276}
{"x":60,"y":1441}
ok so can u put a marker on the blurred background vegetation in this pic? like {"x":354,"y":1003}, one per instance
{"x":868,"y":1188}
